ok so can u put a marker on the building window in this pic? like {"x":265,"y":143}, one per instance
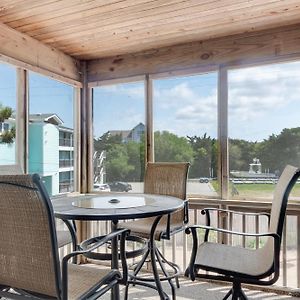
{"x":185,"y":128}
{"x":119,"y":140}
{"x":264,"y":128}
{"x":51,"y":126}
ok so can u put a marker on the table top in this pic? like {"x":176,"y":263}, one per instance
{"x":114,"y":206}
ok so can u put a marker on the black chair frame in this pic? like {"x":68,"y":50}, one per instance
{"x":235,"y":277}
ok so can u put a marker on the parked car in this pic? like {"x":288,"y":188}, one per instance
{"x":204,"y":180}
{"x":101,"y":187}
{"x":120,"y":186}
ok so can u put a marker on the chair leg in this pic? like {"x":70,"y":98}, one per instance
{"x":141,"y":262}
{"x":236,"y":291}
{"x":243,"y":295}
{"x":228,"y":294}
{"x":126,"y":292}
{"x":172,"y":265}
{"x":161,"y":262}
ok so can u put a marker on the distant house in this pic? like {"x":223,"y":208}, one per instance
{"x":133,"y":135}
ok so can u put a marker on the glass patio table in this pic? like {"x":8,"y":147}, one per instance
{"x":115,"y":207}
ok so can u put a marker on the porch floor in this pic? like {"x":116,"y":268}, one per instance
{"x":198,"y":291}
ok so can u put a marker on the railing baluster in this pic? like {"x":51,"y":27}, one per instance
{"x":174,"y":242}
{"x":244,"y":230}
{"x":257,"y":231}
{"x":230,"y":228}
{"x":284,"y":263}
{"x":184,"y":241}
{"x":298,"y":251}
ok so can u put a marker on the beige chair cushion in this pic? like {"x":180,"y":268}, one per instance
{"x":82,"y":278}
{"x":234,"y":259}
{"x":142,"y":227}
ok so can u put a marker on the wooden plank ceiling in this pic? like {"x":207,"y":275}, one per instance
{"x":89,"y":29}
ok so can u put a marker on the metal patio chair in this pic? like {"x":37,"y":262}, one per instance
{"x":30,"y":266}
{"x":64,"y":237}
{"x":240,"y":265}
{"x":163,"y":179}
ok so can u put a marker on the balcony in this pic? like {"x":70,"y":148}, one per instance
{"x":63,"y":163}
{"x":66,"y":142}
{"x":176,"y":61}
{"x":66,"y":186}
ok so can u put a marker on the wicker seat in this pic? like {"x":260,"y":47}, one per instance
{"x":29,"y":259}
{"x":163,"y":179}
{"x":239,"y":265}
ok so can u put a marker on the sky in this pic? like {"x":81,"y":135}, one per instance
{"x":45,"y":95}
{"x":262,"y":101}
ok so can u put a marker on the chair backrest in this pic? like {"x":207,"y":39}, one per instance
{"x":284,"y":185}
{"x":169,"y":179}
{"x":28,"y":247}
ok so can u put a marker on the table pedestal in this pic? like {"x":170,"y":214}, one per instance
{"x":115,"y":291}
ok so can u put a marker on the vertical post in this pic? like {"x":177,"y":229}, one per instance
{"x":83,"y":131}
{"x":21,"y":122}
{"x":149,"y":137}
{"x":223,"y":141}
{"x":90,"y":140}
{"x":85,"y":146}
{"x":223,"y":131}
{"x":76,"y":139}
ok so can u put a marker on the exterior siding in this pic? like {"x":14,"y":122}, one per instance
{"x":7,"y":154}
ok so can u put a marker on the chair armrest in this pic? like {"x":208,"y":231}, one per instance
{"x":194,"y":227}
{"x":193,"y":230}
{"x":186,"y":211}
{"x":99,"y":242}
{"x":205,"y":211}
{"x":167,"y":234}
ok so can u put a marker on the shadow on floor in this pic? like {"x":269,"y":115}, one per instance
{"x":197,"y":291}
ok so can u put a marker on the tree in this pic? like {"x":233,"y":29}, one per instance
{"x":8,"y":135}
{"x":124,"y":161}
{"x":204,"y":156}
{"x":279,"y":150}
{"x":171,"y":148}
{"x":241,"y":153}
{"x":117,"y":167}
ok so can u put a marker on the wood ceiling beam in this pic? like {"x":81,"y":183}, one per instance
{"x":31,"y":54}
{"x":263,"y":46}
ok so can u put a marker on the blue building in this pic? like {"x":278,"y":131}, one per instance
{"x":51,"y":152}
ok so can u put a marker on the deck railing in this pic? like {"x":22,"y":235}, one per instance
{"x":178,"y":249}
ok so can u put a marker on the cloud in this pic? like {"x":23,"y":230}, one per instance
{"x":130,"y":90}
{"x":185,"y":109}
{"x":258,"y":91}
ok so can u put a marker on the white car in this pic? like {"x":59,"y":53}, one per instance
{"x":101,"y":187}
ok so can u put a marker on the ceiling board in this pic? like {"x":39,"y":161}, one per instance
{"x":89,"y":29}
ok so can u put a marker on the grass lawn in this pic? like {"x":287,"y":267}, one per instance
{"x":258,"y":190}
{"x":255,"y":190}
